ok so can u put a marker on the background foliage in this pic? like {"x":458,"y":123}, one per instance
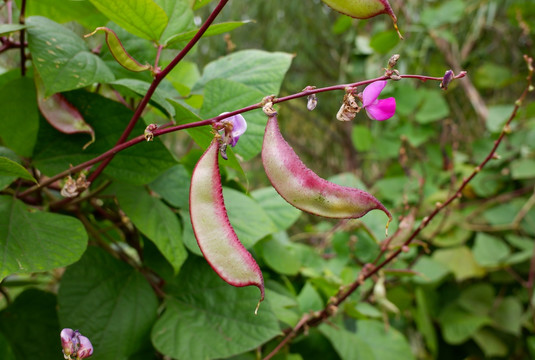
{"x":121,"y":263}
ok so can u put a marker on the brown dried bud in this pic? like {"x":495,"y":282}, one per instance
{"x":312,"y":102}
{"x":393,"y":61}
{"x":349,"y":108}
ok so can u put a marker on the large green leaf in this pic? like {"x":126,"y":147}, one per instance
{"x":249,"y":220}
{"x":206,"y":318}
{"x":10,"y":28}
{"x":140,"y":87}
{"x":138,"y":165}
{"x":143,"y":18}
{"x":37,"y":241}
{"x":110,"y":303}
{"x":223,"y":96}
{"x":64,"y":11}
{"x":281,"y":213}
{"x":370,"y":342}
{"x":280,"y":254}
{"x":260,"y":70}
{"x":20,"y":121}
{"x":31,"y":316}
{"x":489,"y":250}
{"x":62,"y":58}
{"x":173,"y":186}
{"x":155,"y":220}
{"x":460,"y":260}
{"x":459,"y":325}
{"x":180,"y":18}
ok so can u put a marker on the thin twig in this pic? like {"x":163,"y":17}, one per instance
{"x":22,"y":35}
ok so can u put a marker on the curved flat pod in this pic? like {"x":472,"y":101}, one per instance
{"x":305,"y":190}
{"x":363,"y":9}
{"x":215,"y":236}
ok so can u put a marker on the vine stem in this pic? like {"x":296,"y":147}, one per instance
{"x":159,"y":76}
{"x":22,"y":35}
{"x":369,"y":271}
{"x":124,"y":145}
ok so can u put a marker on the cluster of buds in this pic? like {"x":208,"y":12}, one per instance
{"x":75,"y":345}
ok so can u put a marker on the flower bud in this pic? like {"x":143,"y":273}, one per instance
{"x":312,"y":101}
{"x":393,"y":61}
{"x":448,"y":77}
{"x":68,"y":342}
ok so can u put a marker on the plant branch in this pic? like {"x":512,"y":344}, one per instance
{"x":124,"y":145}
{"x":22,"y":35}
{"x":371,"y":270}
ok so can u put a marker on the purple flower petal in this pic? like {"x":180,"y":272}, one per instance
{"x":86,"y":348}
{"x":382,"y":110}
{"x":372,"y":92}
{"x":239,"y":126}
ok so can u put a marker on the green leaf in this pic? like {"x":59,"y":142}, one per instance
{"x":248,"y":219}
{"x":203,"y":309}
{"x":223,"y":96}
{"x":6,"y":352}
{"x":477,"y":299}
{"x":143,"y":18}
{"x":490,"y":251}
{"x":460,"y":261}
{"x":433,"y":17}
{"x":383,"y":42}
{"x":407,"y":98}
{"x":280,"y":212}
{"x":280,"y":254}
{"x":431,"y":271}
{"x":20,"y":120}
{"x":155,"y":220}
{"x":491,"y":344}
{"x":309,"y":299}
{"x":459,"y":325}
{"x":65,"y":11}
{"x":11,"y":168}
{"x":137,"y":165}
{"x":173,"y":186}
{"x":62,"y":58}
{"x":523,"y":169}
{"x":32,"y":316}
{"x":37,"y":241}
{"x":110,"y":303}
{"x":9,"y":154}
{"x":257,"y":69}
{"x":362,"y":137}
{"x":140,"y":87}
{"x":6,"y":29}
{"x":215,"y":29}
{"x":508,"y":315}
{"x":180,"y":19}
{"x":498,"y":115}
{"x":434,"y":107}
{"x":348,"y":345}
{"x":370,"y":342}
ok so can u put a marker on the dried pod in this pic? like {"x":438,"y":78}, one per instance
{"x":364,"y":9}
{"x":305,"y":190}
{"x":216,"y":237}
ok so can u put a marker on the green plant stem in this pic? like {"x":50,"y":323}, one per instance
{"x":371,"y":270}
{"x":157,"y":80}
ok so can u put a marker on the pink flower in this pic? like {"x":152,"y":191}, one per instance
{"x":237,"y":127}
{"x":377,"y":109}
{"x":75,"y":345}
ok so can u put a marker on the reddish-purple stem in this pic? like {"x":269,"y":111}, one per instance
{"x":22,"y":35}
{"x":108,"y":154}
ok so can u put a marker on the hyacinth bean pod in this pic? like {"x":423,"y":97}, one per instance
{"x":216,"y":237}
{"x":305,"y":190}
{"x":364,"y":9}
